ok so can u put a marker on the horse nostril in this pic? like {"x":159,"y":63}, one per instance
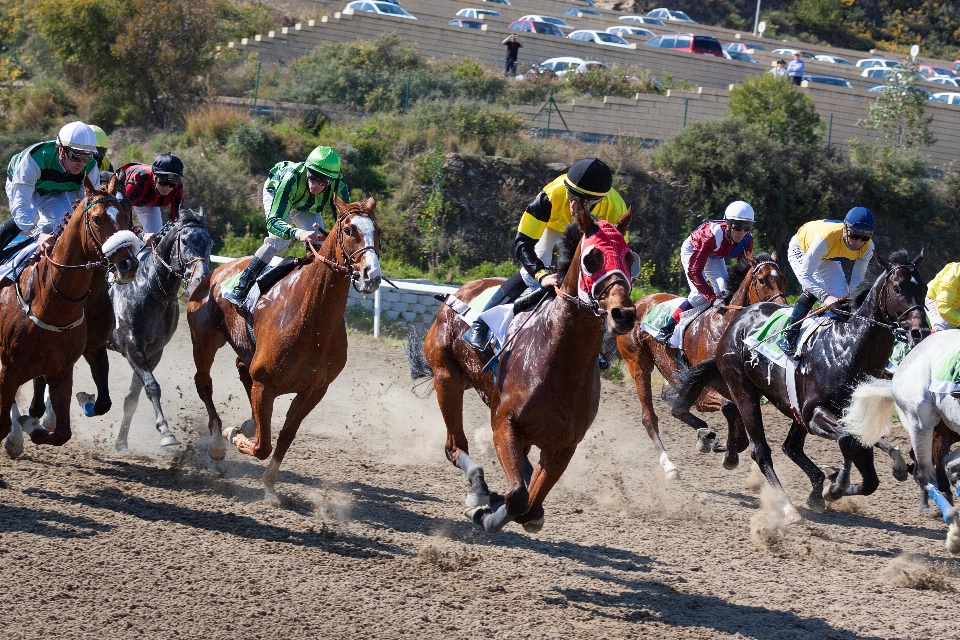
{"x":622,"y":316}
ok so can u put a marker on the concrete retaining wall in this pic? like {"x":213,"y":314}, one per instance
{"x":407,"y":307}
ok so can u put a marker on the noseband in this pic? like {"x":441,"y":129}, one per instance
{"x":349,"y":258}
{"x":756,"y":287}
{"x":895,"y":322}
{"x":184,"y":264}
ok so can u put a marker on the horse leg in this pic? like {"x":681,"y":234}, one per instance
{"x":737,"y":441}
{"x":641,"y":370}
{"x":60,"y":388}
{"x":248,"y":427}
{"x":38,"y":405}
{"x":547,"y":473}
{"x":143,"y":367}
{"x":100,"y":370}
{"x":862,"y":459}
{"x":516,"y":497}
{"x":205,"y":349}
{"x":449,"y":385}
{"x":10,"y":428}
{"x":943,"y":439}
{"x":302,"y":405}
{"x":129,"y":408}
{"x":900,"y":469}
{"x":262,"y":404}
{"x":709,"y":402}
{"x":793,"y":448}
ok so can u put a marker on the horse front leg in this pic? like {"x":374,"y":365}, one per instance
{"x":546,"y":474}
{"x":11,"y":434}
{"x":130,"y":403}
{"x":302,"y":405}
{"x":641,"y":367}
{"x":262,"y":405}
{"x":100,"y":370}
{"x":38,"y":405}
{"x":206,"y":343}
{"x":60,"y":388}
{"x":516,"y":497}
{"x":900,"y":468}
{"x":793,"y":448}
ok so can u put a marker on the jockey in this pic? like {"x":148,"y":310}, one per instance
{"x":102,"y":147}
{"x":45,"y":179}
{"x":943,"y":298}
{"x":586,"y":185}
{"x":814,"y":255}
{"x":294,"y":192}
{"x":703,"y":255}
{"x":150,"y":187}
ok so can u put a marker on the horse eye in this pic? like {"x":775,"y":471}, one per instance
{"x":896,"y":289}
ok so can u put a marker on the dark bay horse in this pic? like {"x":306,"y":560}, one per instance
{"x":548,"y":387}
{"x":753,"y":280}
{"x":42,"y":314}
{"x":839,"y":355}
{"x":147,"y":310}
{"x":298,"y":340}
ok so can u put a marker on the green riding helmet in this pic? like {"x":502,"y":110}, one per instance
{"x":325,"y":161}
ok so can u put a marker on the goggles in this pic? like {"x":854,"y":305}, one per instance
{"x":857,"y":236}
{"x":319,"y":179}
{"x":167,"y":179}
{"x":77,"y":155}
{"x":739,"y":225}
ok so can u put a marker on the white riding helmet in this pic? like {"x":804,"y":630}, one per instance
{"x":739,"y":210}
{"x":79,"y":136}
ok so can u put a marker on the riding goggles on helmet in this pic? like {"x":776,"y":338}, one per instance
{"x":167,"y":179}
{"x":77,"y":155}
{"x":857,"y":236}
{"x":739,"y":225}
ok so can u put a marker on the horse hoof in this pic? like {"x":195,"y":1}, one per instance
{"x":829,"y":495}
{"x":816,"y":502}
{"x":217,"y":451}
{"x":705,"y":440}
{"x":731,"y":461}
{"x":791,"y":515}
{"x":924,"y":510}
{"x":249,"y":428}
{"x":477,"y":499}
{"x":122,"y":447}
{"x":476,"y":514}
{"x":534,"y":526}
{"x":671,"y":476}
{"x":900,"y":473}
{"x":169,"y":440}
{"x":13,"y":450}
{"x":953,"y":539}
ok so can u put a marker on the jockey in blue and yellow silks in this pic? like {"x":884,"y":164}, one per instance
{"x":943,"y":298}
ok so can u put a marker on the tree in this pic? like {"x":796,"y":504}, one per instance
{"x":80,"y":33}
{"x":772,"y":104}
{"x":898,"y":111}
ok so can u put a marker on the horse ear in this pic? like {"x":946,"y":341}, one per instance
{"x":87,"y":185}
{"x":370,"y":204}
{"x":624,"y":225}
{"x":203,"y":212}
{"x":585,"y":221}
{"x":113,"y":185}
{"x":749,"y":257}
{"x":338,"y":203}
{"x":919,"y":258}
{"x":773,"y":256}
{"x":883,"y":262}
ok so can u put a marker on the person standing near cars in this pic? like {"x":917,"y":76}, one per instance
{"x":780,"y":71}
{"x":513,"y":44}
{"x":795,"y":68}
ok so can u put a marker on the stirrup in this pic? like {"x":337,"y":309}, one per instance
{"x":663,"y":337}
{"x":788,"y":346}
{"x":476,"y":335}
{"x":234,"y":298}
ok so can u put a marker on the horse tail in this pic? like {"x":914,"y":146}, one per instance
{"x":869,"y":415}
{"x":692,"y":383}
{"x":419,"y":367}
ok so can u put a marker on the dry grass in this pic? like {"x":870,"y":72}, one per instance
{"x":213,"y":122}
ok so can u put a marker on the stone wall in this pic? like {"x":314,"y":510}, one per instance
{"x":400,"y":305}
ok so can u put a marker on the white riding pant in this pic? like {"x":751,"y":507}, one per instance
{"x":714,"y":272}
{"x":544,"y":250}
{"x":937,"y":323}
{"x":827,"y":277}
{"x":272,"y":245}
{"x":50,"y":208}
{"x":150,"y":218}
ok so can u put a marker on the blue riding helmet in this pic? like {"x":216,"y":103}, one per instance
{"x":860,"y":220}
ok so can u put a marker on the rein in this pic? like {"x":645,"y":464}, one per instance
{"x":756,"y":287}
{"x":180,"y":275}
{"x":348,"y":257}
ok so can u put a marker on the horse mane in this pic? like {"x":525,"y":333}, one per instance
{"x":740,"y":272}
{"x":858,"y":295}
{"x":567,"y":247}
{"x":193,"y":217}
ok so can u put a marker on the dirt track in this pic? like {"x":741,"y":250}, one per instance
{"x":371,"y":540}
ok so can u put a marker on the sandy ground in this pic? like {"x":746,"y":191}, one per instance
{"x":370,"y":538}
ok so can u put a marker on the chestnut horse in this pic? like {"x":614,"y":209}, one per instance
{"x":753,"y":280}
{"x":547,"y":389}
{"x":42,"y":315}
{"x":298,"y":339}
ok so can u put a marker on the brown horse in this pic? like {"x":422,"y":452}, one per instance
{"x":42,"y":315}
{"x":760,"y":280}
{"x":298,"y":340}
{"x":547,"y":389}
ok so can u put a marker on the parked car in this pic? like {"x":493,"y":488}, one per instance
{"x":631,"y":31}
{"x":657,"y":22}
{"x":478,"y":13}
{"x":576,"y":11}
{"x":870,"y":63}
{"x":882,"y":87}
{"x":589,"y":3}
{"x":742,"y":47}
{"x":506,"y":2}
{"x":380,"y":8}
{"x":467,"y":24}
{"x":882,"y":73}
{"x":950,"y":97}
{"x":834,"y":59}
{"x":687,"y":42}
{"x":600,"y":37}
{"x":667,"y":14}
{"x":946,"y":80}
{"x":565,"y":64}
{"x":536,"y":27}
{"x":790,"y":52}
{"x":550,"y":19}
{"x":929,"y":71}
{"x":737,"y":55}
{"x":837,"y":82}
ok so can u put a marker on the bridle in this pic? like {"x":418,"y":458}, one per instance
{"x":177,"y":252}
{"x":891,"y":323}
{"x":348,"y":269}
{"x":593,"y":303}
{"x":756,"y":287}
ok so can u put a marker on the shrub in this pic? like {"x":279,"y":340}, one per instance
{"x":599,"y":81}
{"x":41,"y":105}
{"x":255,"y":144}
{"x":214,"y":123}
{"x":472,"y":121}
{"x":772,"y":103}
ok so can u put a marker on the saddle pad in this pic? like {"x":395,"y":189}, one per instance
{"x":764,"y":340}
{"x":255,"y":292}
{"x":946,"y":375}
{"x":900,"y":351}
{"x":657,"y":317}
{"x":12,"y":249}
{"x":470,"y":311}
{"x":13,"y":268}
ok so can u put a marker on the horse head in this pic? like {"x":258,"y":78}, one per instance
{"x":767,"y":282}
{"x":606,"y":268}
{"x":94,"y":222}
{"x":184,"y":247}
{"x":903,"y":295}
{"x":357,"y":232}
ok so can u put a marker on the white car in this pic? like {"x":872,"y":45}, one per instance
{"x":947,"y":80}
{"x":657,"y":22}
{"x":667,"y":14}
{"x":833,"y":59}
{"x":600,"y":37}
{"x":550,"y":19}
{"x":785,"y":52}
{"x":631,"y":31}
{"x":478,"y":14}
{"x":947,"y":98}
{"x":380,"y":8}
{"x":870,"y":63}
{"x":566,"y":64}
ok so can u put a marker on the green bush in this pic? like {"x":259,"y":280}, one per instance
{"x":772,"y":103}
{"x":600,"y":81}
{"x":471,"y":121}
{"x":41,"y":105}
{"x":256,"y":145}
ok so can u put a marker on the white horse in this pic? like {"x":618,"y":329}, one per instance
{"x":868,"y":417}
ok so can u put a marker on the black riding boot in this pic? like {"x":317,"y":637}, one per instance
{"x":8,"y":231}
{"x":788,"y":343}
{"x":666,"y":332}
{"x":476,"y":335}
{"x":247,"y":278}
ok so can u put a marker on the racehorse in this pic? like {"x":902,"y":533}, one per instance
{"x":42,"y":315}
{"x":839,"y":355}
{"x":753,"y":280}
{"x":921,"y":411}
{"x":296,"y":339}
{"x":147,"y":310}
{"x":547,"y":387}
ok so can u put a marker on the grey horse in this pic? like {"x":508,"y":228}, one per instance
{"x":148,"y":310}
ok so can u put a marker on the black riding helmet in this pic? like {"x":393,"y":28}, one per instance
{"x":589,"y":178}
{"x":168,"y":163}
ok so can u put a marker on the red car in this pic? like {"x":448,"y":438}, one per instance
{"x":537,"y":27}
{"x":687,"y":42}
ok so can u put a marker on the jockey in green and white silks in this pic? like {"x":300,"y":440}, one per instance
{"x":297,"y":193}
{"x":44,"y":179}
